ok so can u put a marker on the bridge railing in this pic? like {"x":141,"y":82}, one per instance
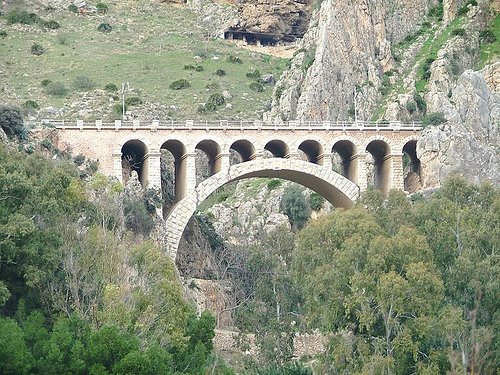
{"x":230,"y":124}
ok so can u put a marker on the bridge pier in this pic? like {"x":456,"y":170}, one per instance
{"x":361,"y":171}
{"x":326,"y":161}
{"x":154,"y":170}
{"x":190,"y":180}
{"x":397,"y":178}
{"x":117,"y":166}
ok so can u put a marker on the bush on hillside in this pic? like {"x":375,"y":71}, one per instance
{"x":253,"y":74}
{"x":256,"y":86}
{"x":458,"y":32}
{"x":11,"y":122}
{"x":31,"y":104}
{"x":83,"y":83}
{"x":52,"y":25}
{"x":21,"y":16}
{"x":102,"y":8}
{"x":234,"y":59}
{"x":419,"y":100}
{"x":220,"y":72}
{"x":104,"y":28}
{"x":111,"y":87}
{"x":56,"y":89}
{"x":316,"y":201}
{"x":37,"y":49}
{"x":434,"y":118}
{"x":212,"y":86}
{"x":133,"y":100}
{"x":3,"y":33}
{"x":73,"y":8}
{"x":487,"y":36}
{"x":180,"y":84}
{"x":45,"y":82}
{"x":217,"y":99}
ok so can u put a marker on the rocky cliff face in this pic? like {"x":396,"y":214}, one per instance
{"x":348,"y":45}
{"x":469,"y":143}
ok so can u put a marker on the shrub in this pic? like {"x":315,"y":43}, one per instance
{"x":118,"y":108}
{"x":274,"y":183}
{"x":31,"y":104}
{"x":104,"y":28}
{"x":294,"y":205}
{"x":56,"y":89}
{"x":419,"y":100}
{"x":487,"y":36}
{"x":73,"y":8}
{"x":199,"y":68}
{"x":11,"y":122}
{"x":436,"y":11}
{"x":37,"y":49}
{"x":254,"y":74}
{"x":46,"y":144}
{"x":427,"y":68}
{"x":46,"y":82}
{"x":102,"y":8}
{"x":111,"y":87}
{"x":133,"y":100}
{"x":216,"y":98}
{"x":52,"y":25}
{"x":434,"y":118}
{"x":79,"y":159}
{"x":220,"y":72}
{"x":411,"y":107}
{"x":465,"y":8}
{"x":210,"y":107}
{"x":458,"y":32}
{"x":137,"y":217}
{"x":316,"y":201}
{"x":21,"y":16}
{"x":3,"y":33}
{"x":256,"y":86}
{"x":189,"y":67}
{"x":180,"y":84}
{"x":201,"y":109}
{"x":234,"y":59}
{"x":83,"y":83}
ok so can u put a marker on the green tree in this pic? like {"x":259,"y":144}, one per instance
{"x":295,"y":206}
{"x":15,"y":357}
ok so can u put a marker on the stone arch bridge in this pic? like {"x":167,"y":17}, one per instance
{"x":303,"y":152}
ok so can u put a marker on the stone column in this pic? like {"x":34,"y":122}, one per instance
{"x":117,"y":167}
{"x":190,"y":180}
{"x":397,"y":178}
{"x":327,"y":161}
{"x":154,"y":170}
{"x":361,"y":178}
{"x":224,"y":161}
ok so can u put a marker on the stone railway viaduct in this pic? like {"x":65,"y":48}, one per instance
{"x":300,"y":152}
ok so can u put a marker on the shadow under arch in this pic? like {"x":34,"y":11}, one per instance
{"x":337,"y":189}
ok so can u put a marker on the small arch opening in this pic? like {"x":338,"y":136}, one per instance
{"x":277,"y":148}
{"x":241,"y":151}
{"x":207,"y":159}
{"x":134,"y":159}
{"x":173,"y":172}
{"x":412,"y":170}
{"x":379,"y":165}
{"x":344,"y":159}
{"x":312,"y":150}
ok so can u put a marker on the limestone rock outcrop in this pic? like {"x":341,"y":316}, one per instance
{"x":469,"y":143}
{"x":347,"y":46}
{"x":286,"y":19}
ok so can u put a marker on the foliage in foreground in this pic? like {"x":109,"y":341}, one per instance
{"x":407,"y":288}
{"x":78,"y":293}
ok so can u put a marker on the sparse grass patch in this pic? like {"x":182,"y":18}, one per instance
{"x":56,"y":89}
{"x":83,"y":83}
{"x":490,"y":43}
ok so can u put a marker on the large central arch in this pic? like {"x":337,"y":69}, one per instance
{"x":337,"y":189}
